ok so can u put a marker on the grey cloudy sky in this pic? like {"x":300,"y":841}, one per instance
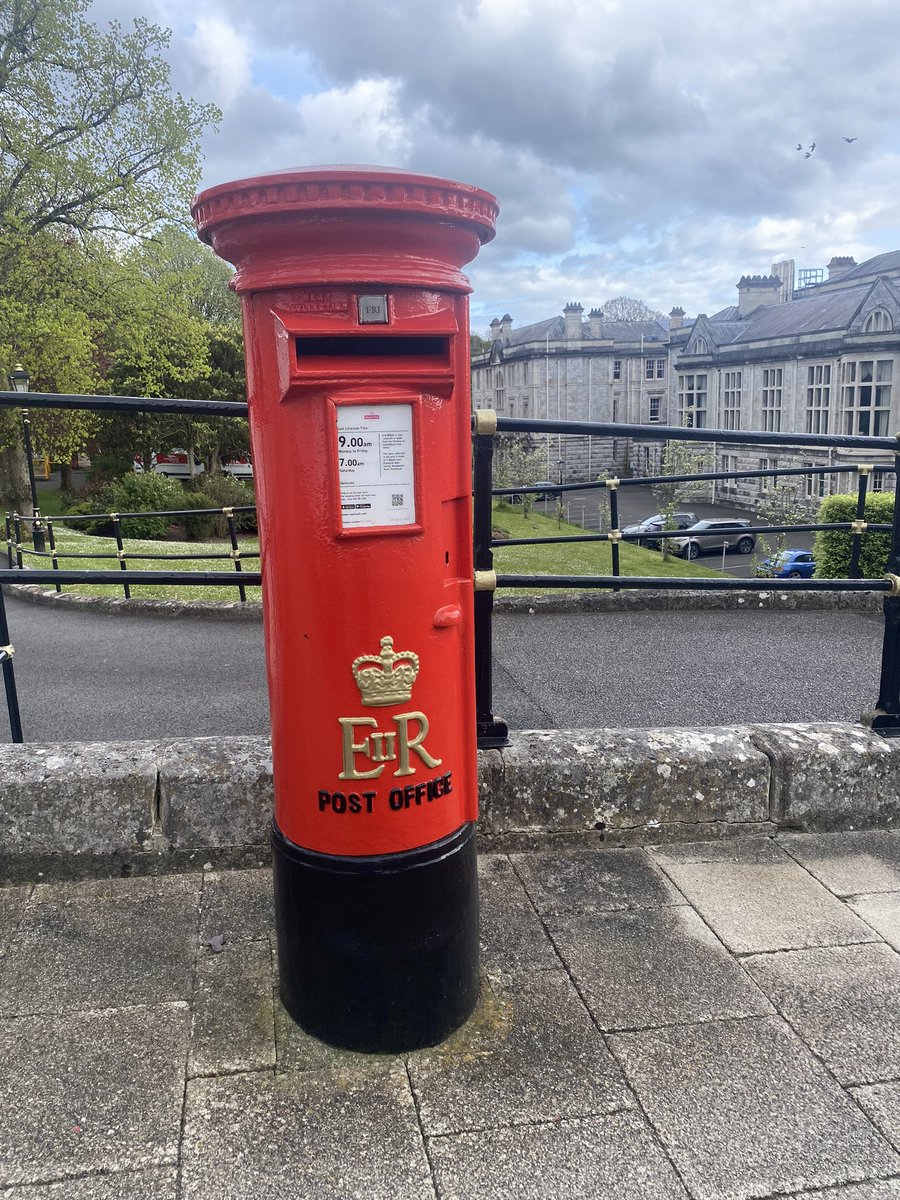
{"x":636,"y":146}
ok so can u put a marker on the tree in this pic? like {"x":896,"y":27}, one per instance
{"x":91,"y":135}
{"x":679,"y":458}
{"x":626,"y":308}
{"x":516,"y":463}
{"x":780,"y":505}
{"x":92,"y":141}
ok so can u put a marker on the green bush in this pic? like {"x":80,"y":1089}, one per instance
{"x":224,"y":491}
{"x":203,"y":526}
{"x":133,"y":493}
{"x":832,"y":546}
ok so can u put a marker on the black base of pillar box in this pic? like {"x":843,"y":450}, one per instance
{"x":378,"y":954}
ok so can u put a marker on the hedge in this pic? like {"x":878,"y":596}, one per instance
{"x":832,"y":546}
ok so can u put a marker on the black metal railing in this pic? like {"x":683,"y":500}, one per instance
{"x":492,"y":730}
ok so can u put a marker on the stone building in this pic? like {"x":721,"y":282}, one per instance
{"x":817,"y":359}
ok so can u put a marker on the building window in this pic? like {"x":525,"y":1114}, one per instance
{"x":866,"y":396}
{"x":771,"y":399}
{"x":768,"y":481}
{"x":617,"y":368}
{"x":818,"y":397}
{"x":878,"y":322}
{"x":815,"y":485}
{"x":731,"y":400}
{"x":692,"y":400}
{"x":499,"y":391}
{"x":653,"y":415}
{"x":728,"y":464}
{"x":880,"y":481}
{"x":654,"y":368}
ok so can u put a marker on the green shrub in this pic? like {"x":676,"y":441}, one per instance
{"x":203,"y":526}
{"x":224,"y":491}
{"x":133,"y":493}
{"x":832,"y":546}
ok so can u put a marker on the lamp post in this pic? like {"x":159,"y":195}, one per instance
{"x":20,"y":381}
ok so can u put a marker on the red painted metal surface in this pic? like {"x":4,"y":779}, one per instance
{"x":356,"y":330}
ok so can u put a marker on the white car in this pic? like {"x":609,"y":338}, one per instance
{"x":174,"y":464}
{"x":238,"y":468}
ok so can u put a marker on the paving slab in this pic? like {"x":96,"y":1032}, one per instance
{"x":102,"y":943}
{"x":233,"y":1026}
{"x":595,"y":1158}
{"x":159,"y":1183}
{"x":881,"y":1101}
{"x":755,"y":897}
{"x":512,"y":935}
{"x":88,"y":1092}
{"x":882,"y":912}
{"x":744,"y":1110}
{"x":237,"y":904}
{"x":297,"y":1050}
{"x":596,"y":881}
{"x":854,"y":862}
{"x":843,"y":1001}
{"x":653,"y":967}
{"x":530,"y":1053}
{"x":326,"y":1135}
{"x":12,"y":905}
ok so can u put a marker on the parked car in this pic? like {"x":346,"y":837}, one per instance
{"x":551,"y":491}
{"x":706,"y":536}
{"x":657,"y":523}
{"x":174,"y":464}
{"x":238,"y":468}
{"x":789,"y":564}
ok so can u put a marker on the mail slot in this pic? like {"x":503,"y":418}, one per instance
{"x":357,"y":339}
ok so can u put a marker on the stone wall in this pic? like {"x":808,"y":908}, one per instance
{"x":148,"y":807}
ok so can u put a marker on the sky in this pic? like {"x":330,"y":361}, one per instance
{"x":636,"y":147}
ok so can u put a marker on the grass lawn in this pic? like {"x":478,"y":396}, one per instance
{"x":69,"y":540}
{"x":575,"y":558}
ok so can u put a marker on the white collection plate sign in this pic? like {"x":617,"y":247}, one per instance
{"x":375,"y":464}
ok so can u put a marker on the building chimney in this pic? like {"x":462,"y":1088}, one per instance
{"x":676,"y":319}
{"x":506,"y":328}
{"x":754,"y":290}
{"x":495,"y":330}
{"x":572,"y":312}
{"x":595,"y":323}
{"x":840,"y":265}
{"x":784,"y":271}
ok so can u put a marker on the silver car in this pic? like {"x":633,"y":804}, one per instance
{"x":656,"y":524}
{"x":710,"y":535}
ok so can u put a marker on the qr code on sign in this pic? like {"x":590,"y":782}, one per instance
{"x":396,"y":500}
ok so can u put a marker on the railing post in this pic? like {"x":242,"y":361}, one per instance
{"x":886,"y":717}
{"x":17,"y":534}
{"x":235,"y":552}
{"x":53,"y":554}
{"x":492,"y":732}
{"x":9,"y":678}
{"x":120,"y":553}
{"x":9,"y":541}
{"x":858,"y":530}
{"x":37,"y":529}
{"x":615,"y":533}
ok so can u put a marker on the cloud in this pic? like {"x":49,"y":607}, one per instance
{"x":635,"y":147}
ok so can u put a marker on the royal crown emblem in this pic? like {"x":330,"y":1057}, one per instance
{"x":389,"y":679}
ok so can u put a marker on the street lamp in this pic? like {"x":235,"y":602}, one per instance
{"x":20,"y":381}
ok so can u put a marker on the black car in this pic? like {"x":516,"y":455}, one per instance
{"x":656,"y":524}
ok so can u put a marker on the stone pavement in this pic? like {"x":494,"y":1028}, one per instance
{"x":708,"y":1020}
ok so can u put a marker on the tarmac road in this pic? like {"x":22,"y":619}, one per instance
{"x":84,"y":676}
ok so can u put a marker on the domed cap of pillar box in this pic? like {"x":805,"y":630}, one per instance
{"x":318,"y":225}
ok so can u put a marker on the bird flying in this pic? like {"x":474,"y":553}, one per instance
{"x":848,"y":140}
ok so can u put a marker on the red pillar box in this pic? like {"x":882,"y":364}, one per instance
{"x":357,"y":339}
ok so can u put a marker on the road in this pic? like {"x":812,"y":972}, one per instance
{"x":85,"y":676}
